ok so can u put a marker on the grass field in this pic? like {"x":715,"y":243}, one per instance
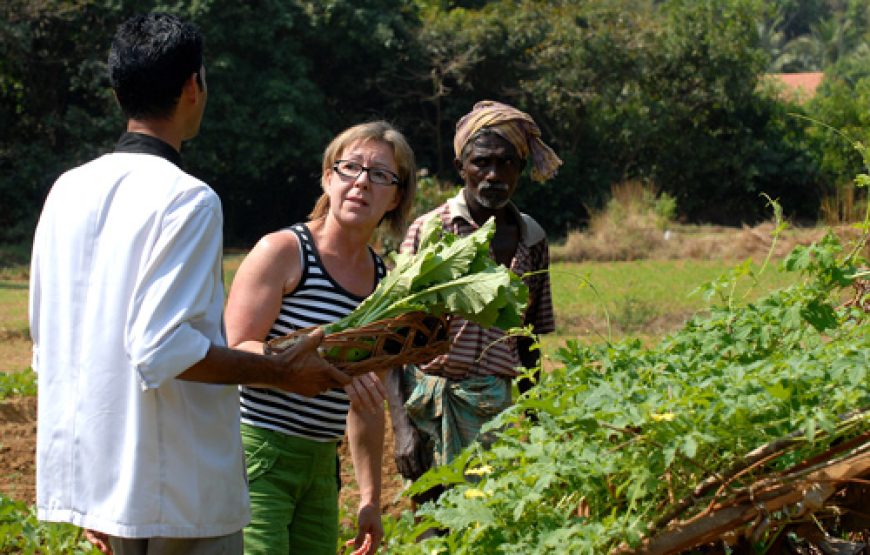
{"x":594,"y":301}
{"x":647,"y":297}
{"x":14,"y":331}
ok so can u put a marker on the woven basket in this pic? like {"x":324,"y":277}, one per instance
{"x":411,"y":338}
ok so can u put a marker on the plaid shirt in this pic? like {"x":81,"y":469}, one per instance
{"x":477,"y":351}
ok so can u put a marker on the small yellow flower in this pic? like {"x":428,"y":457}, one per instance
{"x":662,"y":417}
{"x":480,"y":471}
{"x":474,"y":493}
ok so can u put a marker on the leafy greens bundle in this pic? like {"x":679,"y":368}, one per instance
{"x":448,"y":274}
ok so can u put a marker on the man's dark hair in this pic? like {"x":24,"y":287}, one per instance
{"x":151,"y":57}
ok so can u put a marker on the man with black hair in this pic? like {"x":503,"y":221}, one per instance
{"x":138,"y":431}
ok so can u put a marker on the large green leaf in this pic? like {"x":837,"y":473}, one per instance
{"x":453,"y":275}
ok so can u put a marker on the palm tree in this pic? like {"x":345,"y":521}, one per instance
{"x":829,"y":41}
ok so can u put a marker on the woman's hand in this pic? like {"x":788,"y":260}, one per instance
{"x":370,"y":532}
{"x":367,"y":392}
{"x":100,"y":541}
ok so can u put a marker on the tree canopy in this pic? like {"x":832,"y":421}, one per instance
{"x":668,"y":92}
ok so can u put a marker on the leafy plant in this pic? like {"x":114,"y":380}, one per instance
{"x":447,"y":274}
{"x":632,"y":313}
{"x":17,"y":384}
{"x":21,"y":532}
{"x":625,"y":436}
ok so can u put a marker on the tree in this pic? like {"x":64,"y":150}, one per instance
{"x":286,"y":77}
{"x":719,"y":143}
{"x":283,"y":77}
{"x":840,"y":119}
{"x":55,"y":107}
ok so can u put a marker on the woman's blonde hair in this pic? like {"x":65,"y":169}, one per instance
{"x":404,"y":156}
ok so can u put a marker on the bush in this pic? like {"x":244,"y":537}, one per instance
{"x":431,"y":193}
{"x":631,"y":227}
{"x":21,"y":532}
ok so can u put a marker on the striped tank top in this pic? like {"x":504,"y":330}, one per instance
{"x":318,"y":299}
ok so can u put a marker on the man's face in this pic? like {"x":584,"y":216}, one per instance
{"x":491,"y":169}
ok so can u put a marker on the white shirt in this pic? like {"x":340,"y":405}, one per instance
{"x":127,"y":293}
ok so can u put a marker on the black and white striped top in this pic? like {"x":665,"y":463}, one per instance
{"x":318,"y":299}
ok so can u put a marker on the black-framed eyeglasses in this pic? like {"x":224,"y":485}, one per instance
{"x":352,"y":170}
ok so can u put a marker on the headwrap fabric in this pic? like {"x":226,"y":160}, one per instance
{"x":515,"y":126}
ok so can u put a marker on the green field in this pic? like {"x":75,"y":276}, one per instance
{"x":594,"y":301}
{"x":601,"y":301}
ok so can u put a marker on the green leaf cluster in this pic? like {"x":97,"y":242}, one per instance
{"x":624,"y":432}
{"x":21,"y":532}
{"x":447,"y":274}
{"x":17,"y":384}
{"x":662,"y":91}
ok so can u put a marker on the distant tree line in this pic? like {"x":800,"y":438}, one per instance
{"x":669,"y":92}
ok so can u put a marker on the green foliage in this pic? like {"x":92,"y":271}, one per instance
{"x":21,"y":532}
{"x":284,"y":77}
{"x":840,"y":115}
{"x":661,"y":91}
{"x":447,"y":274}
{"x":633,"y":313}
{"x":624,"y":432}
{"x":18,"y":384}
{"x":15,"y":258}
{"x":667,"y":94}
{"x":55,"y":110}
{"x":431,"y":193}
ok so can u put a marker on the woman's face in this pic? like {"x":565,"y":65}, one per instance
{"x":358,"y":200}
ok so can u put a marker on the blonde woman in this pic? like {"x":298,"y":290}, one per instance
{"x":310,"y":274}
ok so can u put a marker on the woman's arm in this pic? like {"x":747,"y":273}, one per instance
{"x":272,"y":267}
{"x":365,"y":431}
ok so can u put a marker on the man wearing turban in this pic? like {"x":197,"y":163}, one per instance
{"x":438,"y":407}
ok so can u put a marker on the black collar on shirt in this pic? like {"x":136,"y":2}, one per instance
{"x":139,"y":143}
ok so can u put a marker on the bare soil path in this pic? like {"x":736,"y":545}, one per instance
{"x":18,"y":447}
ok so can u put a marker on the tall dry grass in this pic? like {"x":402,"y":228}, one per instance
{"x":634,"y":223}
{"x":639,"y":224}
{"x":844,"y":207}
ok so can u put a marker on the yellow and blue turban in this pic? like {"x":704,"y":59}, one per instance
{"x":516,"y":127}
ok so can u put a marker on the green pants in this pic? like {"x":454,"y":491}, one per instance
{"x":294,"y":496}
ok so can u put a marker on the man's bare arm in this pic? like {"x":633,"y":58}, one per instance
{"x":298,"y":369}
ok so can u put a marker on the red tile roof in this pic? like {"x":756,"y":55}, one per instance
{"x":798,"y":86}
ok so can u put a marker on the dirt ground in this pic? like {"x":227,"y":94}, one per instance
{"x":17,"y":447}
{"x":18,"y":444}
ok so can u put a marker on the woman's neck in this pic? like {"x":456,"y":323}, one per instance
{"x":342,"y":241}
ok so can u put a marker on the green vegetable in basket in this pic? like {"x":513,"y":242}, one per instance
{"x":448,"y":274}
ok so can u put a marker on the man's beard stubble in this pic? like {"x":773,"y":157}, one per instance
{"x":492,"y":196}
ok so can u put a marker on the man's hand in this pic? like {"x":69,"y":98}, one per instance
{"x":305,"y":372}
{"x":413,"y":458}
{"x":100,"y":541}
{"x":367,"y":392}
